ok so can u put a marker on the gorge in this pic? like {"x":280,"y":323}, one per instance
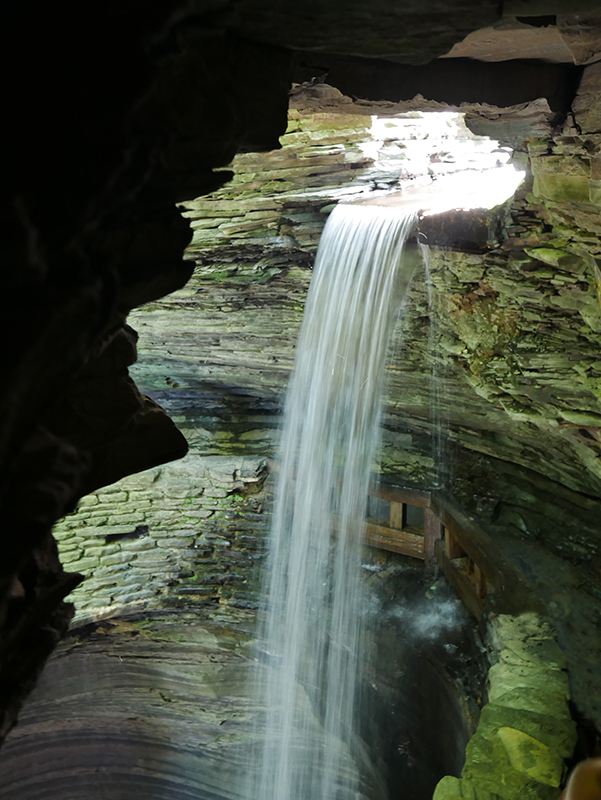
{"x":169,"y":552}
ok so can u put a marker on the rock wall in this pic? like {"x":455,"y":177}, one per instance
{"x":525,"y":733}
{"x":188,"y":532}
{"x":337,"y":149}
{"x":158,"y":703}
{"x":149,"y":708}
{"x":528,"y":317}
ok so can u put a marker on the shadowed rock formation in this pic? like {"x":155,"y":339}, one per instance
{"x":119,"y":111}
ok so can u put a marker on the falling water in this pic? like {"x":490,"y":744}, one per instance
{"x":313,"y":599}
{"x":438,"y":403}
{"x":435,"y":393}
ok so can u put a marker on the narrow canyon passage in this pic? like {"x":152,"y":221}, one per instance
{"x":160,"y":241}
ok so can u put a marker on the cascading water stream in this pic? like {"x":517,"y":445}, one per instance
{"x":437,"y":414}
{"x":312,"y":628}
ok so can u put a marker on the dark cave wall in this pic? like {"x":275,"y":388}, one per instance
{"x":128,"y":120}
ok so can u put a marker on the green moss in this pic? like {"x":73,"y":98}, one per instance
{"x":561,"y":178}
{"x":489,"y":767}
{"x":483,"y":325}
{"x":276,"y":186}
{"x":556,"y":732}
{"x":448,"y":788}
{"x":558,"y":258}
{"x":531,"y":757}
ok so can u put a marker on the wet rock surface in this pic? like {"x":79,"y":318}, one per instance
{"x":151,"y":707}
{"x":498,"y":399}
{"x":525,"y":732}
{"x":159,"y":704}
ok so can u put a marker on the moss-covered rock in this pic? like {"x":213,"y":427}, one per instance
{"x":531,"y":757}
{"x":448,"y":788}
{"x":525,"y":732}
{"x":556,"y":732}
{"x":505,"y":677}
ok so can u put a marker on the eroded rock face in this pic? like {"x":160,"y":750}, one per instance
{"x":130,"y":121}
{"x":160,"y":705}
{"x":152,"y":708}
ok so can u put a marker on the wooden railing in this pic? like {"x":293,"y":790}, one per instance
{"x":397,"y":536}
{"x":450,"y":540}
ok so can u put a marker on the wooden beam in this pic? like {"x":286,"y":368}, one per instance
{"x":460,"y":581}
{"x":412,"y":497}
{"x":406,"y":542}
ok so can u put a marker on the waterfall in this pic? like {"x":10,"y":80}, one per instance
{"x":438,"y":403}
{"x":312,"y":629}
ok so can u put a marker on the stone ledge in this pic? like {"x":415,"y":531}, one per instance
{"x":182,"y":548}
{"x":526,"y":731}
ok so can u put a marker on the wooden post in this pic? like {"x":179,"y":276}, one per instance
{"x":480,"y":582}
{"x":396,"y":515}
{"x":452,"y":547}
{"x":432,"y":533}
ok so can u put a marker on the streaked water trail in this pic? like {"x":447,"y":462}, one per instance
{"x":313,"y":603}
{"x":438,"y":413}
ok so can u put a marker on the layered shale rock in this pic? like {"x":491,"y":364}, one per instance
{"x":492,"y":386}
{"x":159,"y":704}
{"x":189,"y":532}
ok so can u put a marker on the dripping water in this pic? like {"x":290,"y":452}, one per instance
{"x":312,"y":615}
{"x":439,"y":421}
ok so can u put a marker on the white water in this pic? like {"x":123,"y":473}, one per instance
{"x":312,"y":627}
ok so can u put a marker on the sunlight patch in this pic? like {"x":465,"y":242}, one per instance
{"x":445,"y":165}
